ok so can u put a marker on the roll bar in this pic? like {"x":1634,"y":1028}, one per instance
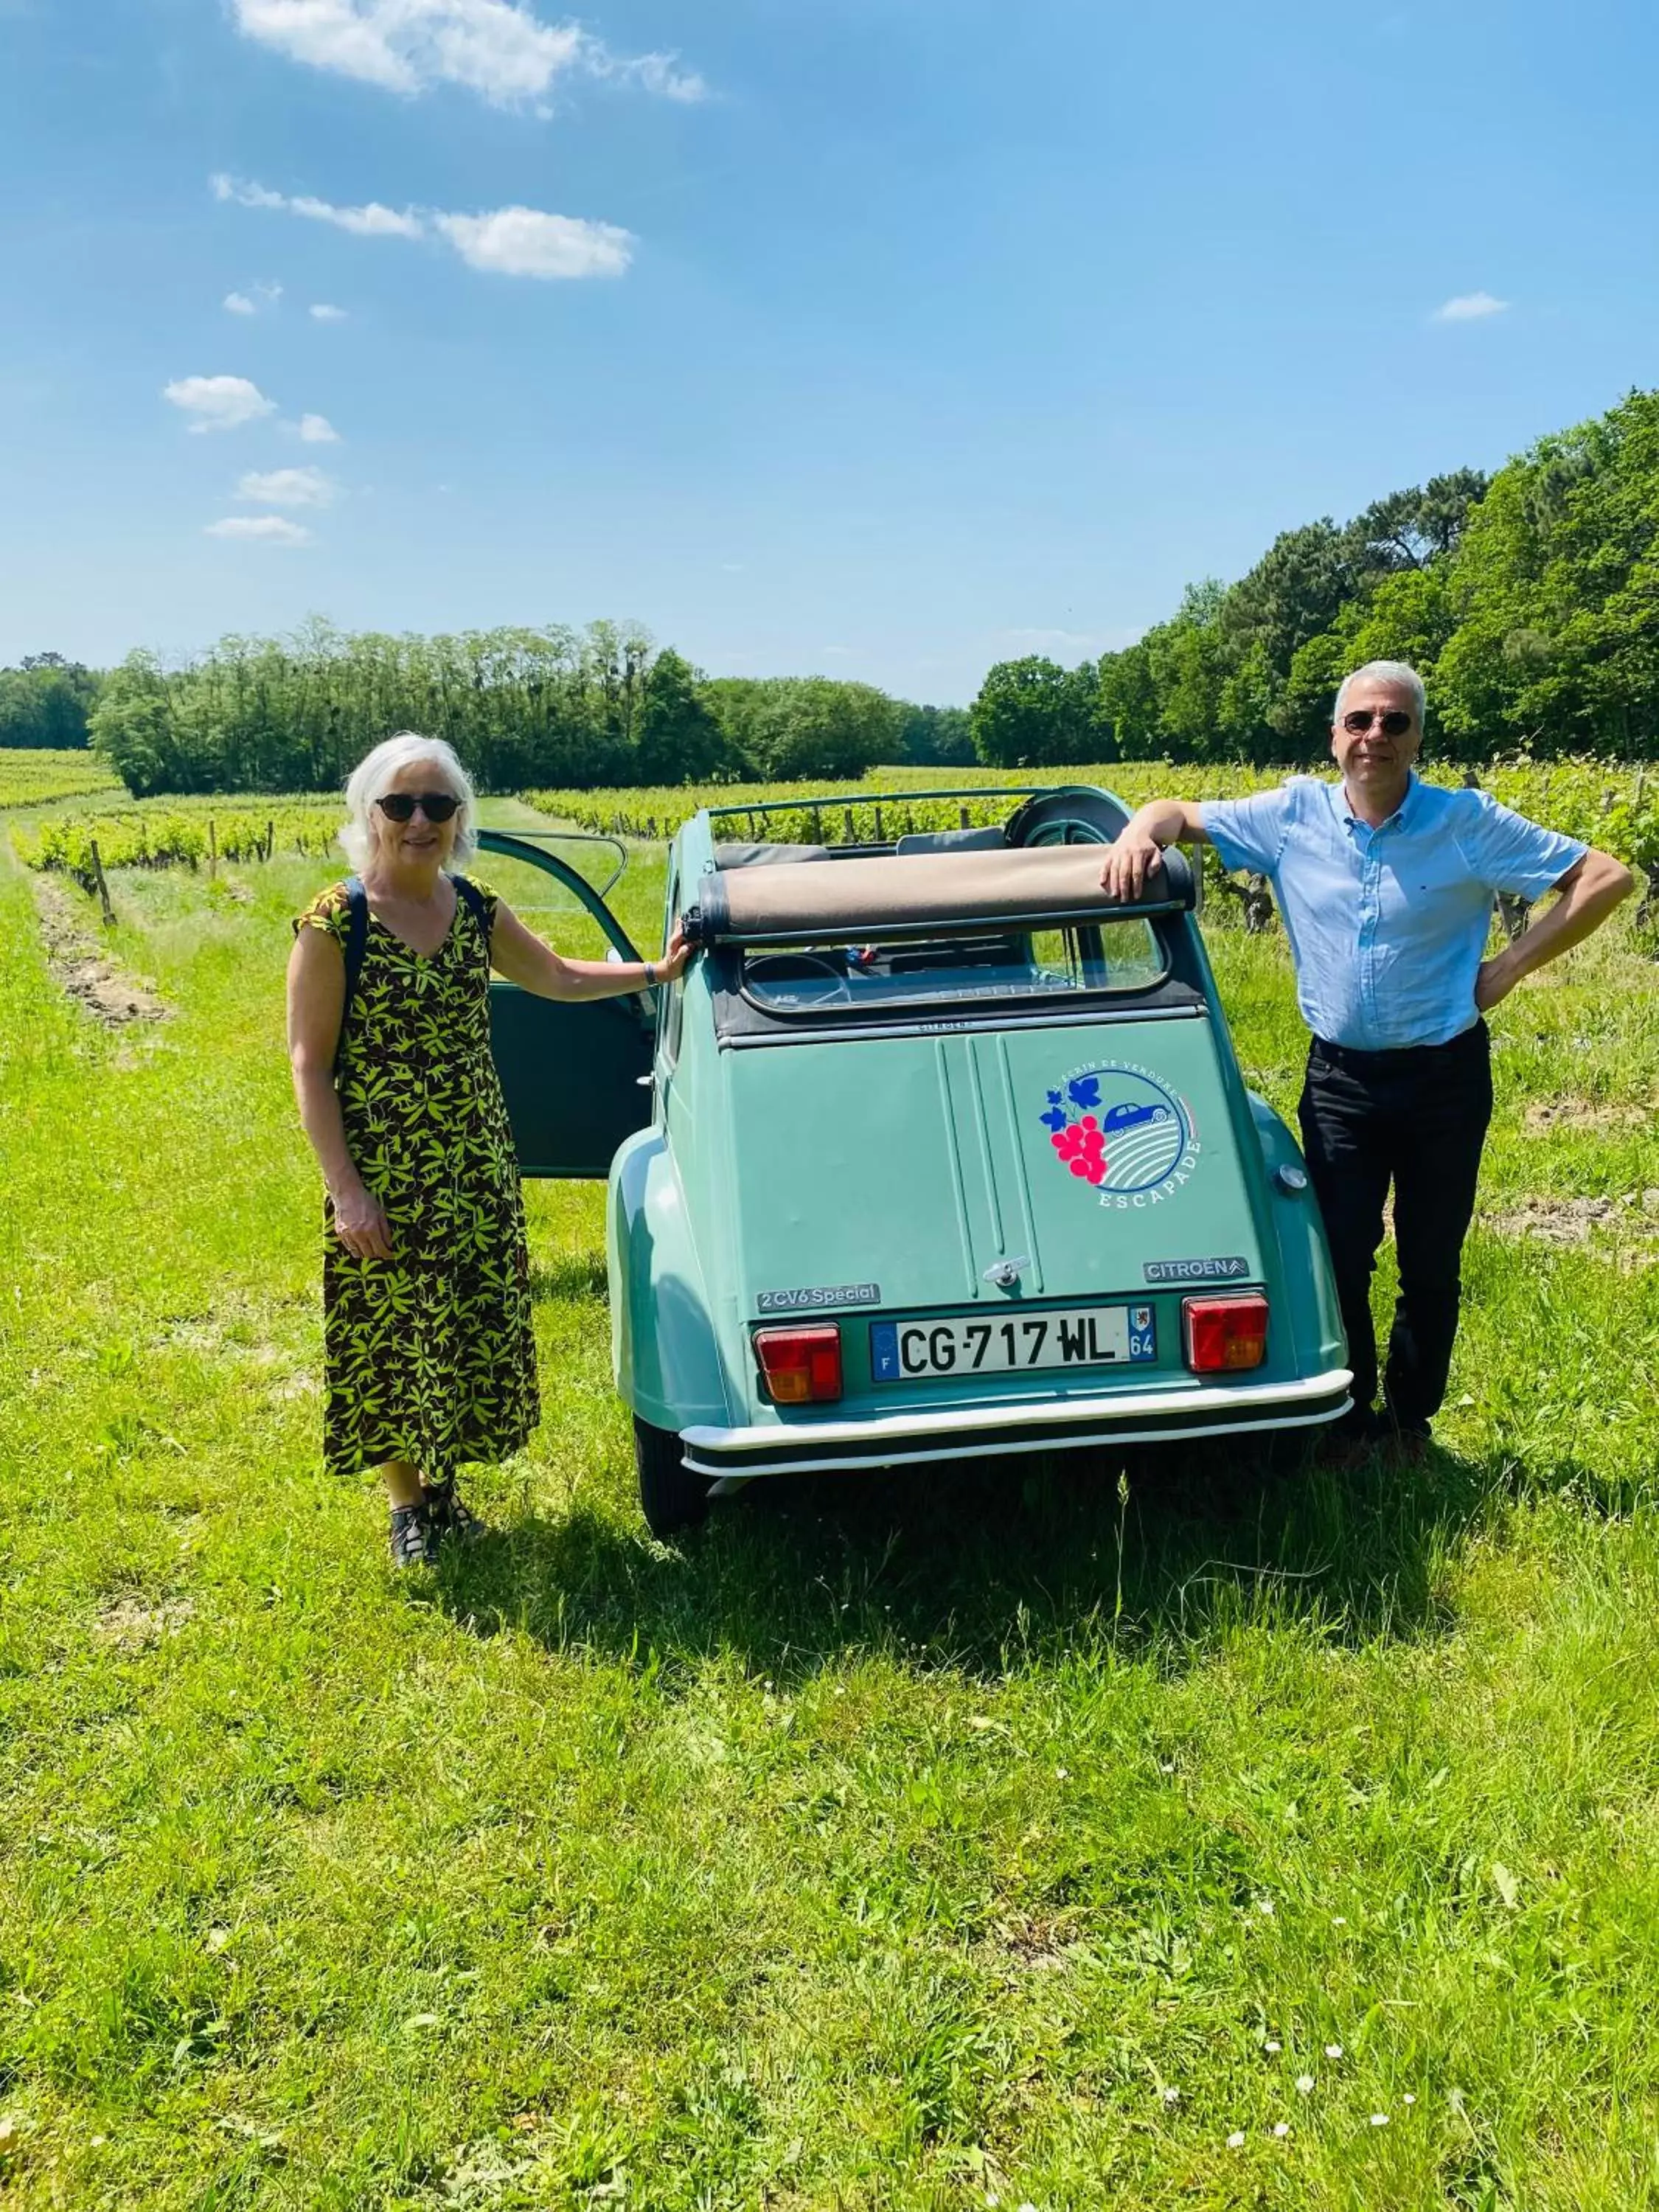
{"x":897,"y":896}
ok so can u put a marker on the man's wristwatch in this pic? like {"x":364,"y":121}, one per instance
{"x":650,"y":975}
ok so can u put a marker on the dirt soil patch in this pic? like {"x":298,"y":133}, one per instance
{"x":127,"y":1624}
{"x":1036,"y":1945}
{"x":1585,"y":1113}
{"x":78,"y":967}
{"x":1575,"y":1220}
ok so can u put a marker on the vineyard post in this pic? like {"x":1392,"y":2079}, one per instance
{"x":103,"y":888}
{"x":848,"y":818}
{"x":879,"y":835}
{"x":271,"y":841}
{"x":962,"y":817}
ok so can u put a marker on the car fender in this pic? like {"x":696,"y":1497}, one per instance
{"x":663,"y":1349}
{"x":1305,"y":1260}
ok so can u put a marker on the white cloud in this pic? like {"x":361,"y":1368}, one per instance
{"x":493,"y":47}
{"x":322,"y":312}
{"x":519,"y":241}
{"x":653,"y":72}
{"x":250,"y":301}
{"x":510,"y":241}
{"x":287,"y":488}
{"x":218,"y":403}
{"x":1469,"y":308}
{"x":317,"y":430}
{"x":267,"y":529}
{"x":371,"y":221}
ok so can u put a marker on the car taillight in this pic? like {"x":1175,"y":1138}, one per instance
{"x":801,"y":1366}
{"x":1223,"y":1334}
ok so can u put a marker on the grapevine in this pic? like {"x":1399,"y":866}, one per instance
{"x":154,"y":838}
{"x":32,"y":775}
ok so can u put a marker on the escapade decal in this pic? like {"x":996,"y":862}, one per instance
{"x":1119,"y":1129}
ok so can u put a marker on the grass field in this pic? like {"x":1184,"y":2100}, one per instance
{"x":1191,"y":1835}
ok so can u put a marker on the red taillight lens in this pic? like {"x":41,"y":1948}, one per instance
{"x":801,"y":1366}
{"x":1223,"y":1334}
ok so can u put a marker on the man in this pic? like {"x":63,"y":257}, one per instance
{"x":1386,"y":886}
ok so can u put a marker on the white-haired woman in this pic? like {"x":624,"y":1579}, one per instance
{"x":429,"y":1353}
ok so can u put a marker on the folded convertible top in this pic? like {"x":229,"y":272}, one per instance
{"x":918,"y":894}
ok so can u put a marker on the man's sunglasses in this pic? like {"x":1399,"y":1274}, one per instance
{"x":1393,"y":724}
{"x":399,"y":805}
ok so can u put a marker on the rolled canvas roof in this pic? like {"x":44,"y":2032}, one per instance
{"x":907,"y":893}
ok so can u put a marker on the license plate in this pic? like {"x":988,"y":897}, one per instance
{"x":1005,"y":1343}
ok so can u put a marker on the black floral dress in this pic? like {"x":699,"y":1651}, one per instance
{"x":430,"y":1356}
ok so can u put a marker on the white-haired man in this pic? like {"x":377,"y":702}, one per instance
{"x":1386,"y":886}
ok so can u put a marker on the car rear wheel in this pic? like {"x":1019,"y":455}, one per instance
{"x":671,"y":1496}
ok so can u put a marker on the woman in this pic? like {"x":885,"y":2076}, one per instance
{"x":430,"y":1356}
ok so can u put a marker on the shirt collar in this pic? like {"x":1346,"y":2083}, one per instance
{"x":1402,"y":816}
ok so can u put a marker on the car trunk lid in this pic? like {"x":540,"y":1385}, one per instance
{"x":1070,"y":1161}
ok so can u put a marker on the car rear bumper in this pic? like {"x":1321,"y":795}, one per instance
{"x":1120,"y":1417}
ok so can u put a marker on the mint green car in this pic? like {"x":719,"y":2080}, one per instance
{"x":933,"y":1154}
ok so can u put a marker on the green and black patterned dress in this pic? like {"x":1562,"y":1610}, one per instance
{"x":430,"y":1356}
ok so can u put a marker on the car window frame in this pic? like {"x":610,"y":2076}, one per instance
{"x":741,"y":1017}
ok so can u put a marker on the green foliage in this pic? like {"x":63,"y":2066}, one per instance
{"x":1615,"y":805}
{"x":1411,"y":529}
{"x":520,"y":706}
{"x":32,"y":775}
{"x":297,"y":714}
{"x":1556,"y":586}
{"x":45,"y":702}
{"x":679,"y":733}
{"x":935,"y":736}
{"x":1528,"y":603}
{"x":166,"y":837}
{"x":790,"y":727}
{"x":1033,"y":714}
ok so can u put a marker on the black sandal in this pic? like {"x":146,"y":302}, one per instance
{"x":449,"y":1514}
{"x":415,"y":1536}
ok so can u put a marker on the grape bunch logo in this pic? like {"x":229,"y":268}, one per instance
{"x":1121,"y":1132}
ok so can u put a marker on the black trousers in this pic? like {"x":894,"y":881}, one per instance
{"x":1416,"y":1118}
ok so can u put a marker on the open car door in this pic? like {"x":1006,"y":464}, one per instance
{"x":575,"y":1075}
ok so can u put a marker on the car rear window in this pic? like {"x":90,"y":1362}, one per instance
{"x":983,"y":966}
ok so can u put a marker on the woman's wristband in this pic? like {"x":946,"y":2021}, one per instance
{"x":650,"y":975}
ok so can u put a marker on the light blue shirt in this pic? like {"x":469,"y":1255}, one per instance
{"x":1388,"y":927}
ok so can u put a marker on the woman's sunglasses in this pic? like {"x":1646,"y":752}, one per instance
{"x":1393,"y":724}
{"x":399,"y":805}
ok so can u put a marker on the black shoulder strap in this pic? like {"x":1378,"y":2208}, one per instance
{"x":477,"y":905}
{"x":356,"y":943}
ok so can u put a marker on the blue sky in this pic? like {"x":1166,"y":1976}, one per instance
{"x":885,"y":338}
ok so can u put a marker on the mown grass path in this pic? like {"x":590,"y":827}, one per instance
{"x":1018,"y":1836}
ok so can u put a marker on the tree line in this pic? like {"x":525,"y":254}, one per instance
{"x":45,"y":702}
{"x":523,"y":708}
{"x":1528,"y":602}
